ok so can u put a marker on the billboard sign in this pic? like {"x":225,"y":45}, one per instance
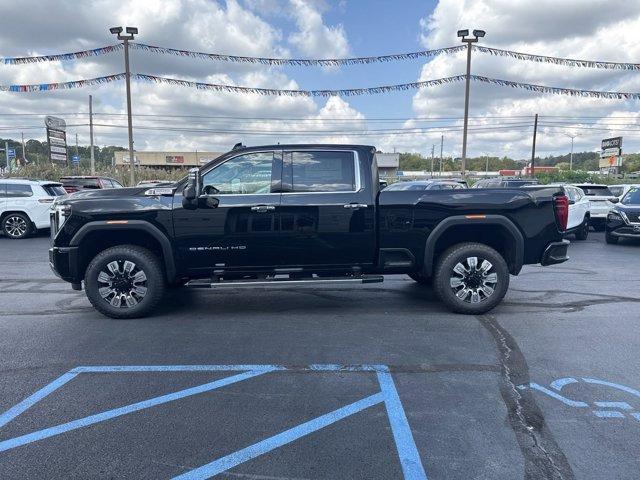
{"x":57,"y":140}
{"x":615,"y":142}
{"x":610,"y":154}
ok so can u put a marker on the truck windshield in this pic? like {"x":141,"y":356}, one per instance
{"x":632,"y":197}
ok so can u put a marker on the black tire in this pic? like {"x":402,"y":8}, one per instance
{"x":480,"y":282}
{"x":610,"y":239}
{"x":16,"y":226}
{"x":583,"y":230}
{"x":125,"y":282}
{"x":421,"y":278}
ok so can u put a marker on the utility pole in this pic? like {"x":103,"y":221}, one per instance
{"x":477,"y":34}
{"x":77,"y":155}
{"x":533,"y":149}
{"x":433,"y":147}
{"x":93,"y":158}
{"x":24,"y":150}
{"x":441,"y":145}
{"x":6,"y":156}
{"x":131,"y":31}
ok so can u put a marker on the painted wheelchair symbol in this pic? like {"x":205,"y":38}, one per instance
{"x":601,"y":409}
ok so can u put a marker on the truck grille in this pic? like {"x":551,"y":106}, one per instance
{"x":633,"y":217}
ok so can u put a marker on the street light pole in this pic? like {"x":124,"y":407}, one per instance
{"x":131,"y":31}
{"x":571,"y":136}
{"x":477,"y":34}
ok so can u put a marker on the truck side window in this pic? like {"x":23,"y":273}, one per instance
{"x":244,"y":174}
{"x":328,"y":171}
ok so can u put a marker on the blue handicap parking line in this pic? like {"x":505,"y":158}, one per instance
{"x":406,"y":448}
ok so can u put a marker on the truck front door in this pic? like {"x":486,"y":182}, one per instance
{"x":327,"y":211}
{"x":235,"y":225}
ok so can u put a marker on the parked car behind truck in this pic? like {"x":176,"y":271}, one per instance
{"x":601,"y":199}
{"x":25,"y":204}
{"x":300,"y":214}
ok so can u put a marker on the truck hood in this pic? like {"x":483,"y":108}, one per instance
{"x":102,"y":193}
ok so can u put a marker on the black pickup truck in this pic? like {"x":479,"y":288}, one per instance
{"x":299,"y":214}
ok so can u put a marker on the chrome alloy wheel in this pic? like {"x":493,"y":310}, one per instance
{"x":15,"y":226}
{"x":471,"y":282}
{"x":122,"y":284}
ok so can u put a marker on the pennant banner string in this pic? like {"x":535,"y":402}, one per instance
{"x":44,"y":87}
{"x":62,"y":56}
{"x":326,"y":62}
{"x":574,"y":92}
{"x":323,"y":62}
{"x":348,"y":92}
{"x":558,"y":60}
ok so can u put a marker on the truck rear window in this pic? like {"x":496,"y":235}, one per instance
{"x":81,"y":182}
{"x":329,"y":171}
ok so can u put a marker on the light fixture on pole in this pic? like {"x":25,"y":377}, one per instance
{"x":571,"y":136}
{"x":131,"y":31}
{"x":463,"y":34}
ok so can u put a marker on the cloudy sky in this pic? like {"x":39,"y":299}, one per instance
{"x":405,"y":121}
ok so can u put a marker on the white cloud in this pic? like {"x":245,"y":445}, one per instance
{"x":313,"y":37}
{"x":200,"y":25}
{"x":598,"y":29}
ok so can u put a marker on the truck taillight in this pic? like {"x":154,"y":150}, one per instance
{"x":561,"y":208}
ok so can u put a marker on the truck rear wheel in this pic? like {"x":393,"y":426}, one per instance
{"x":471,"y":278}
{"x":124,"y":282}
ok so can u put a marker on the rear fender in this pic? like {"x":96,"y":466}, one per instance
{"x":517,"y":256}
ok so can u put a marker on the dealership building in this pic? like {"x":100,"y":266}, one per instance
{"x":166,"y":159}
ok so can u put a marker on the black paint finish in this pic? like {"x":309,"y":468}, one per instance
{"x":311,"y":231}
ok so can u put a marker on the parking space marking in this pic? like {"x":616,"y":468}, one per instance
{"x":31,"y":400}
{"x":559,"y":384}
{"x":409,"y":457}
{"x":236,"y":458}
{"x":117,"y":412}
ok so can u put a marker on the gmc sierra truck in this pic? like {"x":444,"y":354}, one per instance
{"x":299,"y":214}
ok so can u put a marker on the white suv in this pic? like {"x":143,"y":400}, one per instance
{"x":25,"y":204}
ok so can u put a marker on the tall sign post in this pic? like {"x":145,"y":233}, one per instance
{"x":611,"y":155}
{"x":57,"y":140}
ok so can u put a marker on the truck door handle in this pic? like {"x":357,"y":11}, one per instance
{"x":262,"y":208}
{"x":355,"y":206}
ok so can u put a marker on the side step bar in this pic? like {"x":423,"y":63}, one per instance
{"x":283,"y":281}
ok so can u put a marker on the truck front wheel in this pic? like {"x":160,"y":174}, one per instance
{"x":125,"y":281}
{"x":471,"y":278}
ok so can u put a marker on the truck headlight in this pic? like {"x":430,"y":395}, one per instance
{"x":59,"y":215}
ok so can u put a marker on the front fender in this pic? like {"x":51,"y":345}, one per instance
{"x":131,"y":225}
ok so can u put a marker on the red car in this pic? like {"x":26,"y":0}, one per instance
{"x":76,"y":183}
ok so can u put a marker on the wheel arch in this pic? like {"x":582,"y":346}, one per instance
{"x":94,"y":237}
{"x":507,"y":240}
{"x":6,"y":213}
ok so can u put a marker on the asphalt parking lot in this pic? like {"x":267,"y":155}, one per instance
{"x":375,"y":382}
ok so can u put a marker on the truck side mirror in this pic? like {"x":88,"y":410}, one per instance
{"x":192,"y":189}
{"x":615,"y":200}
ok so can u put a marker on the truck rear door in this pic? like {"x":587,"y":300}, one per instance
{"x":327,"y":211}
